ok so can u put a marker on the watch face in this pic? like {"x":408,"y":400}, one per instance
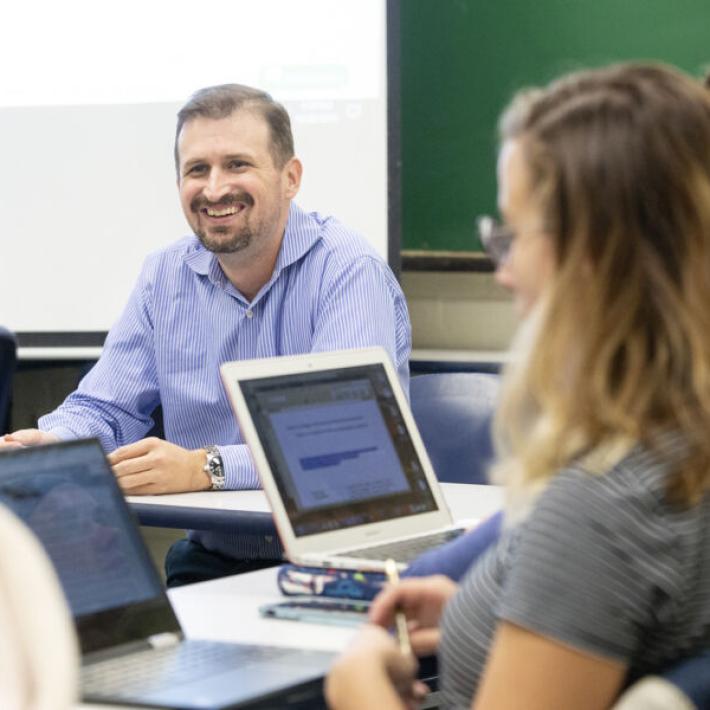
{"x":214,"y":468}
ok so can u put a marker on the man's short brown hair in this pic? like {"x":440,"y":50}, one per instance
{"x":222,"y":101}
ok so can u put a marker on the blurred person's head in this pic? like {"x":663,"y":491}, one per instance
{"x":604,"y":178}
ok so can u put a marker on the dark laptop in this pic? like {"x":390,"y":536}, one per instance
{"x":133,"y":650}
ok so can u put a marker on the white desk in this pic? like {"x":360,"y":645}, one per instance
{"x":210,"y":510}
{"x":227,"y":609}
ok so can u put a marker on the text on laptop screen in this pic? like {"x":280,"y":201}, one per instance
{"x":338,"y":447}
{"x":69,"y":503}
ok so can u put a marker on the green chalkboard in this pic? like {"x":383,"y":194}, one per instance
{"x":461,"y":61}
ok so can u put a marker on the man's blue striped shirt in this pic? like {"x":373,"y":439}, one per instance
{"x":329,"y":291}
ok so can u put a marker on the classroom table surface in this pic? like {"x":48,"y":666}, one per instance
{"x":185,"y":510}
{"x":227,"y":609}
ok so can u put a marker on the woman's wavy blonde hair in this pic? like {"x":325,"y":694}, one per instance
{"x":618,"y":351}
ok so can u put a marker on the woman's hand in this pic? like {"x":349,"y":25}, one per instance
{"x":373,"y":672}
{"x":422,"y":601}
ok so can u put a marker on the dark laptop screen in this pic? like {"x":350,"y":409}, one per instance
{"x":338,"y":447}
{"x":67,"y":495}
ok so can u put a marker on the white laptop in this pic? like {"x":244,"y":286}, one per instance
{"x":340,"y":458}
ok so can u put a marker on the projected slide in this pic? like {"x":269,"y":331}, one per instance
{"x":338,"y":453}
{"x":135,"y":51}
{"x":88,"y":112}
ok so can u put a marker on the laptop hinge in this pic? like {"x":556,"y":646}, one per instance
{"x":164,"y":640}
{"x":123,"y":649}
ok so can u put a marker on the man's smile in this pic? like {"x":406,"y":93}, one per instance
{"x":227,"y":211}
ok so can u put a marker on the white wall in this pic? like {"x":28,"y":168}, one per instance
{"x":458,"y":311}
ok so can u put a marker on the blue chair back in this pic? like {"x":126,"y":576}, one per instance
{"x":692,"y":677}
{"x":8,"y":362}
{"x":453,"y":411}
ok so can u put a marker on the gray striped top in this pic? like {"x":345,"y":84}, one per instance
{"x":603,"y":564}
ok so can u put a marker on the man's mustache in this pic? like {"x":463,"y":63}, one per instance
{"x":200,"y":203}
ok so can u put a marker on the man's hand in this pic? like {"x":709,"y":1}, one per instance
{"x":27,"y":437}
{"x":153,"y":466}
{"x":422,"y":601}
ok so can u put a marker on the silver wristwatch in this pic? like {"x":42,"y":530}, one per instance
{"x":214,"y":468}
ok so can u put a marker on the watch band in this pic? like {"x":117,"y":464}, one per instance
{"x":214,"y":467}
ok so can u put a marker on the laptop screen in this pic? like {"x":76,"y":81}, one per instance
{"x":338,"y":447}
{"x":67,"y":495}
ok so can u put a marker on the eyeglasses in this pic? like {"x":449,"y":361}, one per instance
{"x":495,"y":237}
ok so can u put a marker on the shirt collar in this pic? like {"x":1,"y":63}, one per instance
{"x":300,"y":235}
{"x":199,"y":259}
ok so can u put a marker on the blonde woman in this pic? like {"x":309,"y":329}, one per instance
{"x":602,"y":573}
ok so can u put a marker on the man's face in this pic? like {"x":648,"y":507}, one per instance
{"x":233,"y":196}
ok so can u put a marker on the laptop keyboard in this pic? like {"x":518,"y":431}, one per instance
{"x":144,"y":671}
{"x":404,"y":550}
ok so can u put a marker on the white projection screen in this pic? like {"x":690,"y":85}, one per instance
{"x":87,"y":121}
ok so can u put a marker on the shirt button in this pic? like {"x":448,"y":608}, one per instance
{"x":249,"y":313}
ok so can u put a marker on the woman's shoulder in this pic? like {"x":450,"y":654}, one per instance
{"x":614,"y":554}
{"x":635,"y":479}
{"x":626,"y":504}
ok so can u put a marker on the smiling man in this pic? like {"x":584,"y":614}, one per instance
{"x":258,"y":278}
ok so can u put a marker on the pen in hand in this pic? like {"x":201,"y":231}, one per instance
{"x":400,"y":620}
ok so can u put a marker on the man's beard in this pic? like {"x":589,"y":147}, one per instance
{"x":238,"y":242}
